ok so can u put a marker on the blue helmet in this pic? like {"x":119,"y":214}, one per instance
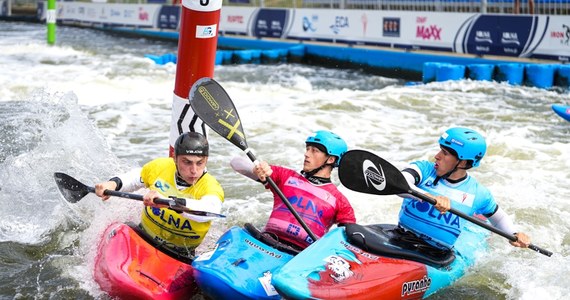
{"x":329,"y":143}
{"x":467,"y":143}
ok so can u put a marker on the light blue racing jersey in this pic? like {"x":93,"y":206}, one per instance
{"x":442,"y":230}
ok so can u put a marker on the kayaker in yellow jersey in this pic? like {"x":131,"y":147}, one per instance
{"x":183,"y":176}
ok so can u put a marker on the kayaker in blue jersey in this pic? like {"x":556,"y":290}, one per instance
{"x":311,"y":192}
{"x":183,"y":176}
{"x":448,"y":181}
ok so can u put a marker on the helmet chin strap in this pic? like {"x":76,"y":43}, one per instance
{"x":311,"y":173}
{"x":446,"y":175}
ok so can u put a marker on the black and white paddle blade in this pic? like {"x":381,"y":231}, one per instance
{"x":213,"y":105}
{"x":71,"y":189}
{"x":365,"y":172}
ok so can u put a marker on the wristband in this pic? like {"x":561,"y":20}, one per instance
{"x":118,"y":181}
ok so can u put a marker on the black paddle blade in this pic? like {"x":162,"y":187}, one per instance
{"x":213,"y":105}
{"x":365,"y":172}
{"x":71,"y":189}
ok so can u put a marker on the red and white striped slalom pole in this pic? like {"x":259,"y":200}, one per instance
{"x":197,"y":45}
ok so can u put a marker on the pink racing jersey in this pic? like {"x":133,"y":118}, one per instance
{"x":319,"y":205}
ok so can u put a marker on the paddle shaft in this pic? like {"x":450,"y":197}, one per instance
{"x":160,"y":201}
{"x":478,"y":222}
{"x":283,"y":198}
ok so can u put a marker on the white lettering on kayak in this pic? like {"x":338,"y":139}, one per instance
{"x":359,"y":251}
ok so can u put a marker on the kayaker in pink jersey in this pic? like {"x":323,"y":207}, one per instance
{"x":183,"y":176}
{"x":311,"y":192}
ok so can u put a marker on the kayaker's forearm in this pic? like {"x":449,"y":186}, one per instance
{"x":502,"y":221}
{"x":130,"y":181}
{"x":244,"y":167}
{"x":208,"y":203}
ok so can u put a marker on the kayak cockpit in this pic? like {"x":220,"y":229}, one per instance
{"x":387,"y":240}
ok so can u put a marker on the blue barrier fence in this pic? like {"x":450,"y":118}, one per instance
{"x":543,"y":76}
{"x":249,"y":56}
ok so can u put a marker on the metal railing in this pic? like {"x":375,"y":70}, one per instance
{"x":547,"y":7}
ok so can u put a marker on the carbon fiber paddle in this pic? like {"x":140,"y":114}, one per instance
{"x":73,"y":191}
{"x":213,"y":105}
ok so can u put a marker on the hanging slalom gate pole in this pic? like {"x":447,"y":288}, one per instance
{"x":196,"y":58}
{"x":51,"y":16}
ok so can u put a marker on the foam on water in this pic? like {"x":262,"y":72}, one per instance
{"x":93,"y":111}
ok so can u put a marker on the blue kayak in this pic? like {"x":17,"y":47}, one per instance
{"x":376,"y":262}
{"x":562,"y":110}
{"x":241,"y":265}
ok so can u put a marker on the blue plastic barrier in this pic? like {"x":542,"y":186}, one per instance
{"x":447,"y":72}
{"x":219,"y":58}
{"x":429,"y":68}
{"x":513,"y":73}
{"x":297,"y":53}
{"x":540,"y":76}
{"x":480,"y":71}
{"x":272,"y":56}
{"x":223,"y":57}
{"x":562,"y":76}
{"x":242,"y":56}
{"x":163,"y":59}
{"x":255,"y":56}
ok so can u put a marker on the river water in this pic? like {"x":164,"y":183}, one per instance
{"x":92,"y":106}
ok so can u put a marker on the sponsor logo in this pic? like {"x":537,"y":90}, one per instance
{"x":340,"y":22}
{"x":115,"y":13}
{"x":293,"y":230}
{"x":374,"y":176}
{"x":359,"y":251}
{"x":510,"y":38}
{"x":391,"y":27}
{"x":563,"y":36}
{"x":340,"y":268}
{"x":209,"y":98}
{"x":175,"y":221}
{"x":162,"y":186}
{"x":483,"y":36}
{"x":364,"y":20}
{"x":416,"y":286}
{"x":459,"y":143}
{"x":425,"y":31}
{"x":449,"y":219}
{"x":256,"y":246}
{"x":265,"y":281}
{"x":483,"y":48}
{"x":276,"y":25}
{"x":428,"y":32}
{"x":309,"y":24}
{"x":235,"y":19}
{"x":143,"y":15}
{"x":189,"y":151}
{"x":205,"y":32}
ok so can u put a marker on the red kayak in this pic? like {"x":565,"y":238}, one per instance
{"x":129,"y":266}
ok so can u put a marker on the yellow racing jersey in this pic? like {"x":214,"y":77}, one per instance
{"x":166,"y":225}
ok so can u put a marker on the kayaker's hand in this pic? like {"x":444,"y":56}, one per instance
{"x":523,"y":240}
{"x":263,"y":170}
{"x":101,"y":187}
{"x":443,"y":204}
{"x":148,"y":199}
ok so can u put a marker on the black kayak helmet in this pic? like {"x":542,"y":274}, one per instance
{"x":191,"y":143}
